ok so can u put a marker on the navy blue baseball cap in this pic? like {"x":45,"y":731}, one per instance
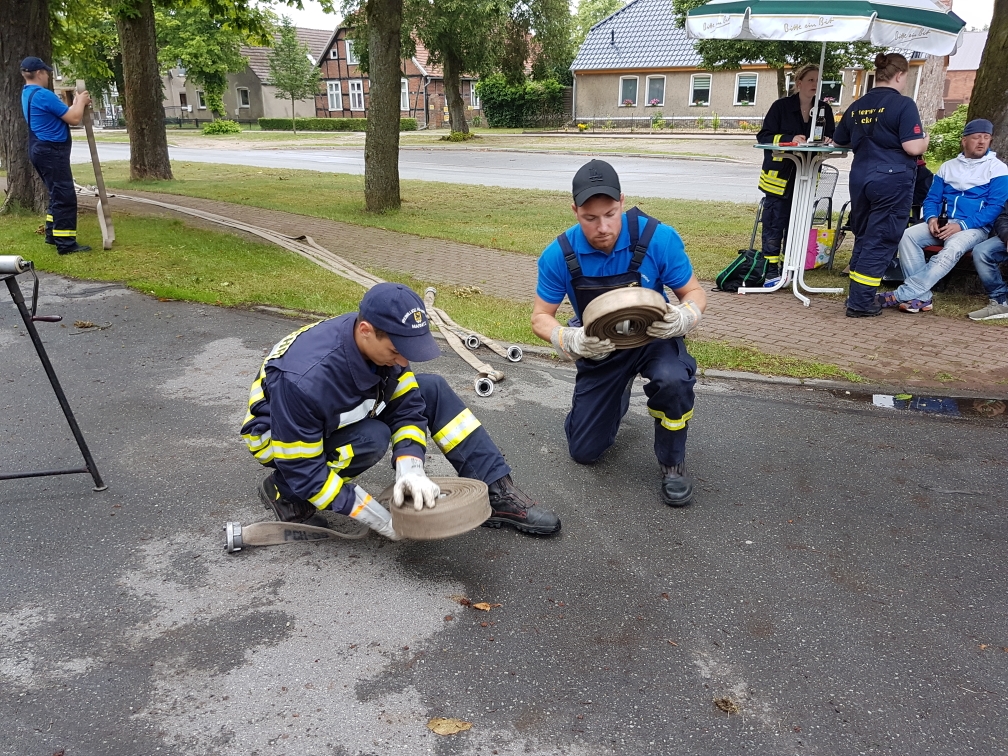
{"x":399,"y":311}
{"x":978,"y":126}
{"x":32,"y":63}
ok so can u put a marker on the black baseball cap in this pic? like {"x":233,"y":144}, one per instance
{"x":595,"y":177}
{"x":399,"y":311}
{"x":32,"y":63}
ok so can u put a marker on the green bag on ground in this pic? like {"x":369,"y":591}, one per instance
{"x":748,"y":269}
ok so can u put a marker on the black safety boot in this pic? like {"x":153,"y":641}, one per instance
{"x":287,"y":510}
{"x":677,"y":486}
{"x":512,"y":506}
{"x":74,"y":248}
{"x":852,"y":313}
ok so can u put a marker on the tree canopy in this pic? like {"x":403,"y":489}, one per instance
{"x":292,"y":71}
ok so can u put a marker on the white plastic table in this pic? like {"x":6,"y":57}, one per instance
{"x":807,"y":159}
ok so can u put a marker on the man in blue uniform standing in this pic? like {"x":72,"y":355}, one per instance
{"x":608,"y":249}
{"x":332,"y":396}
{"x":49,"y":121}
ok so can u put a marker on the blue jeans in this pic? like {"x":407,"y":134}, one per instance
{"x":918,"y":276}
{"x":987,"y":257}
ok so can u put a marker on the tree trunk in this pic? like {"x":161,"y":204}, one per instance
{"x":381,"y":141}
{"x":930,"y":93}
{"x":990,"y":89}
{"x":144,"y":107}
{"x":781,"y":83}
{"x":293,"y":116}
{"x":24,"y":32}
{"x":453,"y":94}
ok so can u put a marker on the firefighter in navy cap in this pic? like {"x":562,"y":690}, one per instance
{"x":608,"y":249}
{"x":884,"y":130}
{"x":332,"y":396}
{"x":49,"y":121}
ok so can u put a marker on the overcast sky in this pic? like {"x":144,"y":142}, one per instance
{"x":976,"y":13}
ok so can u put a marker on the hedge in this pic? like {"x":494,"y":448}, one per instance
{"x":328,"y":124}
{"x":519,"y":105}
{"x":946,"y":136}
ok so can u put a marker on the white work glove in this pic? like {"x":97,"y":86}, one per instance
{"x":412,"y":482}
{"x":574,"y":343}
{"x":679,"y":320}
{"x":372,"y":514}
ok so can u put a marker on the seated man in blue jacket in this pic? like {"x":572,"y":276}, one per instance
{"x":332,"y":396}
{"x":969,"y":191}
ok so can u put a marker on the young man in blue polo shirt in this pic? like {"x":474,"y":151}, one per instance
{"x":49,"y":145}
{"x":609,"y":249}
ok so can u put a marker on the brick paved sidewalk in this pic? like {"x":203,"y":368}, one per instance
{"x":898,"y":349}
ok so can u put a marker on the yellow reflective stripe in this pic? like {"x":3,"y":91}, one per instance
{"x":456,"y":431}
{"x":772,"y":258}
{"x":71,"y":232}
{"x":863,"y":279}
{"x":407,"y":382}
{"x":49,"y":219}
{"x":777,"y":138}
{"x":255,"y":443}
{"x":297,"y":449}
{"x":331,"y":489}
{"x":669,"y":423}
{"x":769,"y":182}
{"x":344,"y":458}
{"x":411,"y":432}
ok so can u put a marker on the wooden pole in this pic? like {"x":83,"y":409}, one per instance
{"x":104,"y":212}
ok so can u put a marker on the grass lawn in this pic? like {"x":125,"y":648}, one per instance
{"x":165,"y":258}
{"x":518,"y":220}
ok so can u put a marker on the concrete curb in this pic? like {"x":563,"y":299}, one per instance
{"x":582,"y":153}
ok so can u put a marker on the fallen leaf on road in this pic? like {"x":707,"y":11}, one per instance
{"x":483,"y":606}
{"x":665,"y":596}
{"x":727,"y":705}
{"x":448,"y":726}
{"x":459,"y":599}
{"x":983,"y":646}
{"x":83,"y":324}
{"x":672,"y":643}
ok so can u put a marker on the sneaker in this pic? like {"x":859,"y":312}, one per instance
{"x":769,"y":283}
{"x":677,"y":487}
{"x":74,"y":248}
{"x":512,"y":506}
{"x":993,"y":311}
{"x":887,"y":299}
{"x":287,"y":510}
{"x":916,"y":305}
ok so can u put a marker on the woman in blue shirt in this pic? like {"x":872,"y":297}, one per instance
{"x":883,"y":128}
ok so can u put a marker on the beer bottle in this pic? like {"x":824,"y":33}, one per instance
{"x":820,"y":122}
{"x":943,"y":215}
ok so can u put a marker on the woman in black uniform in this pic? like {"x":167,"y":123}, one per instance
{"x":884,"y":130}
{"x":786,"y":121}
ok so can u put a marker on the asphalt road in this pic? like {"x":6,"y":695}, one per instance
{"x":641,"y":177}
{"x":840,"y":577}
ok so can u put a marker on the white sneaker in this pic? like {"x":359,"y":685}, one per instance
{"x":993,"y":311}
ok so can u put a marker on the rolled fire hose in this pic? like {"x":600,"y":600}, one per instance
{"x":464,"y":504}
{"x":13,"y":264}
{"x":623,"y":316}
{"x":473,"y":339}
{"x":488,"y":375}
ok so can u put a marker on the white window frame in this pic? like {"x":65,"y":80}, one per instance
{"x":839,"y":81}
{"x":404,"y":94}
{"x":474,"y":100}
{"x":200,"y":99}
{"x":248,"y":98}
{"x":647,"y":90}
{"x":619,"y":101}
{"x":692,"y":88}
{"x":334,"y":94}
{"x":738,"y":78}
{"x":351,"y":57}
{"x":354,"y":95}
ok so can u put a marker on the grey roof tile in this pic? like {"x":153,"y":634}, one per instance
{"x":258,"y":57}
{"x":642,"y":34}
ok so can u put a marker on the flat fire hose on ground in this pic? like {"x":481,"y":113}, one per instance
{"x":487,"y":376}
{"x":104,"y":211}
{"x":308,"y":248}
{"x":623,"y":316}
{"x":473,"y":340}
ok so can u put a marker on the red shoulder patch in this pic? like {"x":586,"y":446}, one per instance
{"x":917,"y":129}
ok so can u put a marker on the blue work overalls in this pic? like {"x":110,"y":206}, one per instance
{"x":881,"y":192}
{"x":602,"y":387}
{"x":52,"y":161}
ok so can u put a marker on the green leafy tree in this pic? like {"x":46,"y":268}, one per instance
{"x":990,"y":98}
{"x":86,"y":45}
{"x":730,"y":54}
{"x":292,"y":70}
{"x":589,"y":13}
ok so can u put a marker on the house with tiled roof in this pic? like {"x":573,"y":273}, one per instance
{"x":248,"y":97}
{"x":638,"y":63}
{"x":346,"y":90}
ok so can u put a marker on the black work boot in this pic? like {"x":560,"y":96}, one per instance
{"x":287,"y":510}
{"x":677,"y":486}
{"x":69,"y":250}
{"x":512,"y":506}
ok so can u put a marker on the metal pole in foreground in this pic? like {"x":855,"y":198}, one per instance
{"x":16,"y":295}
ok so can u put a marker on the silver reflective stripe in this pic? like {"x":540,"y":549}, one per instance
{"x":357,"y":414}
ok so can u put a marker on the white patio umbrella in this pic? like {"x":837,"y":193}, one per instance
{"x":918,"y":25}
